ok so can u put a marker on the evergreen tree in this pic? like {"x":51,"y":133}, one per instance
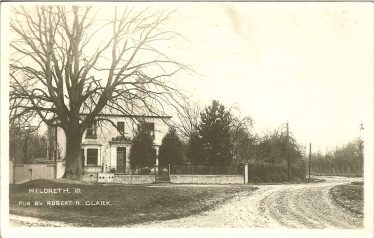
{"x":171,"y":149}
{"x":142,"y":153}
{"x":214,"y":131}
{"x":195,"y":150}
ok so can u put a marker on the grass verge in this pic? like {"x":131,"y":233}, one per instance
{"x":350,"y":197}
{"x":129,"y":204}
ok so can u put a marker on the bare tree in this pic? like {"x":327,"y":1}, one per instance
{"x":68,"y":66}
{"x":20,"y":134}
{"x":187,"y":118}
{"x":242,"y":139}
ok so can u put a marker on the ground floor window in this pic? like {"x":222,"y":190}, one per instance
{"x":92,"y":156}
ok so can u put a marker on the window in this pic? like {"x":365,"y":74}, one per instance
{"x":121,"y":128}
{"x":92,"y":155}
{"x":91,"y":131}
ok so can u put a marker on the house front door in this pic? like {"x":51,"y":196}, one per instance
{"x":121,"y":159}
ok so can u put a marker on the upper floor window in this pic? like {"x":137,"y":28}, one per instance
{"x":121,"y":128}
{"x":91,"y":131}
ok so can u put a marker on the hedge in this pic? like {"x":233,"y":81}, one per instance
{"x":259,"y":172}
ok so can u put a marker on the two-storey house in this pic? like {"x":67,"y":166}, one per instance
{"x":106,"y":143}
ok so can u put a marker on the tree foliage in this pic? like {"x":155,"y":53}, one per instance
{"x":214,"y":131}
{"x":142,"y":152}
{"x":347,"y":160}
{"x":170,"y":151}
{"x":244,"y":146}
{"x":224,"y":139}
{"x":219,"y":122}
{"x":195,"y":150}
{"x":272,"y":148}
{"x":241,"y":138}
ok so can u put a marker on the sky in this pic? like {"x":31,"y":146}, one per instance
{"x":308,"y":64}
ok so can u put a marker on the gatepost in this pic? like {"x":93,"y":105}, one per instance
{"x":245,"y":173}
{"x":156,"y":167}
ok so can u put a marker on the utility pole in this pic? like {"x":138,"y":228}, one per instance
{"x":310,"y":157}
{"x":288,"y":156}
{"x":361,"y":129}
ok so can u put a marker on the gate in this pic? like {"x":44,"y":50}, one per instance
{"x":162,"y":174}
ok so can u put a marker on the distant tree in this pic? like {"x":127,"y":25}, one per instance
{"x":195,"y":150}
{"x":243,"y":141}
{"x":184,"y":151}
{"x":38,"y":147}
{"x":272,"y":148}
{"x":244,"y":146}
{"x":16,"y":139}
{"x":171,"y":149}
{"x":344,"y":160}
{"x":142,"y":153}
{"x":187,"y":119}
{"x":214,"y":131}
{"x":25,"y":143}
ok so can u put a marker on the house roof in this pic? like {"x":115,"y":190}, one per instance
{"x":134,"y":112}
{"x":133,"y":116}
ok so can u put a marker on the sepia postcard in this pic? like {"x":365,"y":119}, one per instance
{"x":180,"y":119}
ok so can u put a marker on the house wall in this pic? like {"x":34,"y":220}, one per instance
{"x":107,"y":149}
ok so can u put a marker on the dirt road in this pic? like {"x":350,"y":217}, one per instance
{"x":271,"y":206}
{"x":290,"y":206}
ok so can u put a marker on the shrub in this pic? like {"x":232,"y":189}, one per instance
{"x":171,"y":149}
{"x":146,"y":171}
{"x":142,"y":153}
{"x":264,"y":172}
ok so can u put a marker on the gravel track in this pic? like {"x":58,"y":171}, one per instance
{"x":272,"y":206}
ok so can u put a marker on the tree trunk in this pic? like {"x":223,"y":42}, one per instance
{"x":73,"y":164}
